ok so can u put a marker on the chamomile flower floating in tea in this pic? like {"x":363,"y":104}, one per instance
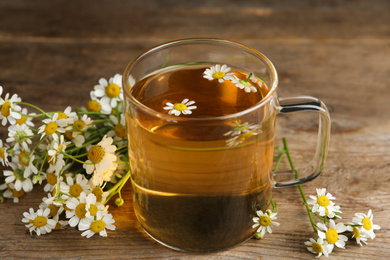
{"x":365,"y":221}
{"x":218,"y":72}
{"x":241,"y":133}
{"x":245,"y":84}
{"x":319,"y":247}
{"x":180,"y":108}
{"x":323,"y":204}
{"x":331,"y":234}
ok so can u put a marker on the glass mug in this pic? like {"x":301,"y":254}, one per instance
{"x":200,"y":117}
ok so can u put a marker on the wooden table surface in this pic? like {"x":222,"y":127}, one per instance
{"x":52,"y":53}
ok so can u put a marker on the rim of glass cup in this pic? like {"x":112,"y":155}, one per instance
{"x":259,"y":55}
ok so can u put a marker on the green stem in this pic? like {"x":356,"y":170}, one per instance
{"x":37,"y":108}
{"x":249,"y":77}
{"x":118,"y":187}
{"x":308,"y":209}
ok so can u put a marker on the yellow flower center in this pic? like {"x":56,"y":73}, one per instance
{"x":75,"y":190}
{"x":219,"y":75}
{"x":53,"y":210}
{"x":2,"y":153}
{"x":51,"y":128}
{"x":367,"y":223}
{"x":40,"y":221}
{"x":78,"y":125}
{"x":68,"y":135}
{"x":93,"y":106}
{"x":113,"y":90}
{"x":62,"y":115}
{"x":323,"y":201}
{"x":80,"y":210}
{"x":24,"y":158}
{"x":120,"y":130}
{"x":180,"y":107}
{"x":98,"y":192}
{"x":317,"y":248}
{"x":356,"y":232}
{"x":245,"y":136}
{"x":51,"y":178}
{"x":5,"y":109}
{"x":265,"y":221}
{"x":332,"y":236}
{"x":22,"y":120}
{"x":17,"y":194}
{"x":97,"y":226}
{"x":93,"y":209}
{"x":96,"y":154}
{"x":58,"y":226}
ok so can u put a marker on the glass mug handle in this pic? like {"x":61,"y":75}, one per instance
{"x":315,"y":167}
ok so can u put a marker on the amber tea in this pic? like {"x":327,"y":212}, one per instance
{"x":197,"y":183}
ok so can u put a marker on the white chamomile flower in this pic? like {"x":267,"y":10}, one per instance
{"x":100,"y":195}
{"x":365,"y":221}
{"x":20,"y":135}
{"x":108,"y":93}
{"x":80,"y":126}
{"x":99,"y":179}
{"x":76,"y":185}
{"x":39,"y":221}
{"x":67,"y":116}
{"x":11,"y":192}
{"x":264,"y":221}
{"x":323,"y":204}
{"x":9,"y":111}
{"x":101,"y":156}
{"x":3,"y":154}
{"x":55,"y":153}
{"x":180,"y":108}
{"x":25,"y":118}
{"x":332,"y":234}
{"x":119,"y":132}
{"x":53,"y":125}
{"x":99,"y":224}
{"x":55,"y":208}
{"x":359,"y":236}
{"x":241,"y":133}
{"x":16,"y":176}
{"x":26,"y":159}
{"x":218,"y":72}
{"x":319,"y":247}
{"x":245,"y":84}
{"x":76,"y":209}
{"x":52,"y":181}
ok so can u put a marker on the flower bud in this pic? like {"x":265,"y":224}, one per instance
{"x":259,"y":235}
{"x":119,"y":202}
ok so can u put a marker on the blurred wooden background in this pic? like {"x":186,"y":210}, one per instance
{"x":52,"y":53}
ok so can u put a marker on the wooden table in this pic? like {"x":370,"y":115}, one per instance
{"x":52,"y":53}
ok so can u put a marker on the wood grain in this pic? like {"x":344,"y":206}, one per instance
{"x":52,"y":53}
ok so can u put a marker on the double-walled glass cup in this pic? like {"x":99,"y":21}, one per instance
{"x":199,"y":180}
